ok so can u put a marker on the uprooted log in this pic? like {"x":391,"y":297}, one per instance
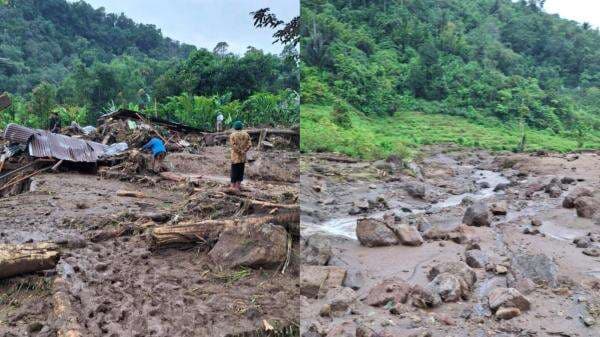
{"x":64,"y":315}
{"x":207,"y":232}
{"x":16,"y":259}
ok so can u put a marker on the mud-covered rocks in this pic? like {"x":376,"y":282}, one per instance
{"x":507,"y":313}
{"x":424,"y":297}
{"x":593,"y":251}
{"x":537,"y":267}
{"x":569,"y":200}
{"x":251,"y":246}
{"x":507,"y":298}
{"x":316,"y":250}
{"x":340,"y":299}
{"x":587,"y":207}
{"x":477,"y":215}
{"x":458,"y":268}
{"x":476,"y":258}
{"x":499,"y":207}
{"x":393,"y":290}
{"x":416,"y":190}
{"x":554,"y":188}
{"x":317,"y":280}
{"x":408,"y":235}
{"x":375,"y":233}
{"x":461,"y":234}
{"x":450,"y":287}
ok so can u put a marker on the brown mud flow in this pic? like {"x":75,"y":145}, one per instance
{"x":112,"y":280}
{"x":456,"y":243}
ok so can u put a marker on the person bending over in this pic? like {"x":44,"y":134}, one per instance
{"x":240,"y":144}
{"x":157,"y":147}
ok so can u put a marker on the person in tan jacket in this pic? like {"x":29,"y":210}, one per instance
{"x":240,"y":144}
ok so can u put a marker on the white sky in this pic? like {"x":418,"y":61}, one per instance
{"x":578,"y":10}
{"x":204,"y":23}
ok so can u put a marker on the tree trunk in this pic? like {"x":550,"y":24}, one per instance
{"x":26,"y":258}
{"x":207,"y":232}
{"x":63,"y":311}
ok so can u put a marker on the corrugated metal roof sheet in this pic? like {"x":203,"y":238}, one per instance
{"x":45,"y":144}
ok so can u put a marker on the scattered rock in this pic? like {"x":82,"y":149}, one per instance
{"x":587,"y":207}
{"x":317,"y":280}
{"x":507,"y":313}
{"x":476,"y":258}
{"x":374,"y":233}
{"x":459,"y":269}
{"x":536,"y":222}
{"x":477,"y":215}
{"x":531,"y":231}
{"x":316,"y":250}
{"x":408,"y":235}
{"x":537,"y":267}
{"x":499,"y":208}
{"x":340,"y":299}
{"x":593,"y":252}
{"x":501,"y":187}
{"x":450,"y":287}
{"x":501,"y":270}
{"x":567,"y":180}
{"x":507,"y":298}
{"x":415,"y":190}
{"x":395,"y":290}
{"x":554,"y":188}
{"x":569,"y":200}
{"x":424,"y":298}
{"x":251,"y":246}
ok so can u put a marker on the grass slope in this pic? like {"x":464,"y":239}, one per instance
{"x":405,"y":132}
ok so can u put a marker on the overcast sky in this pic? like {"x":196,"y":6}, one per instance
{"x":578,"y":10}
{"x":204,"y":23}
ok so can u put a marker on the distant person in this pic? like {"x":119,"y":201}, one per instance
{"x":220,"y":119}
{"x":240,"y":144}
{"x":157,"y":147}
{"x":54,"y":123}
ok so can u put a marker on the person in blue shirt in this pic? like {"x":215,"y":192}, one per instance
{"x":157,"y":147}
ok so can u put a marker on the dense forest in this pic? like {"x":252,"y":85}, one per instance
{"x":487,"y":60}
{"x":80,"y":62}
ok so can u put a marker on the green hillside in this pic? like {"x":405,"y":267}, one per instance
{"x":489,"y":62}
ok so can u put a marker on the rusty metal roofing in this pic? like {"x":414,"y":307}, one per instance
{"x":45,"y":144}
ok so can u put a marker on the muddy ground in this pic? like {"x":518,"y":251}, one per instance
{"x":119,"y":286}
{"x":561,"y":283}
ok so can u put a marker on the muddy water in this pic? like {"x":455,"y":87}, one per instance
{"x":346,"y":226}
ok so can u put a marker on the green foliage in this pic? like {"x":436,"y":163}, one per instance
{"x":81,"y":62}
{"x":404,"y":133}
{"x":260,"y":109}
{"x":476,"y":59}
{"x":340,"y":114}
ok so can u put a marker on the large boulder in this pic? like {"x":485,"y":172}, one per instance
{"x":554,"y":188}
{"x":251,"y":246}
{"x":477,"y":215}
{"x":416,"y":190}
{"x":507,"y":298}
{"x":569,"y":201}
{"x":449,"y":287}
{"x":424,"y":297}
{"x":393,"y":290}
{"x":316,"y":250}
{"x":318,"y":280}
{"x":458,"y":268}
{"x":476,"y":258}
{"x":587,"y":207}
{"x":375,"y":233}
{"x":408,"y":235}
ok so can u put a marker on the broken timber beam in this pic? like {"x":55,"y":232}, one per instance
{"x":64,"y":314}
{"x":17,"y":259}
{"x":208,"y":231}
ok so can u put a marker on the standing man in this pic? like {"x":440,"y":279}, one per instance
{"x":159,"y":152}
{"x":240,"y":144}
{"x":220,"y":122}
{"x":54,"y":123}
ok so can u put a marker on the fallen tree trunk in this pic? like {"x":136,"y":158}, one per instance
{"x":63,"y":311}
{"x":208,"y":231}
{"x":27,"y":258}
{"x":132,"y":194}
